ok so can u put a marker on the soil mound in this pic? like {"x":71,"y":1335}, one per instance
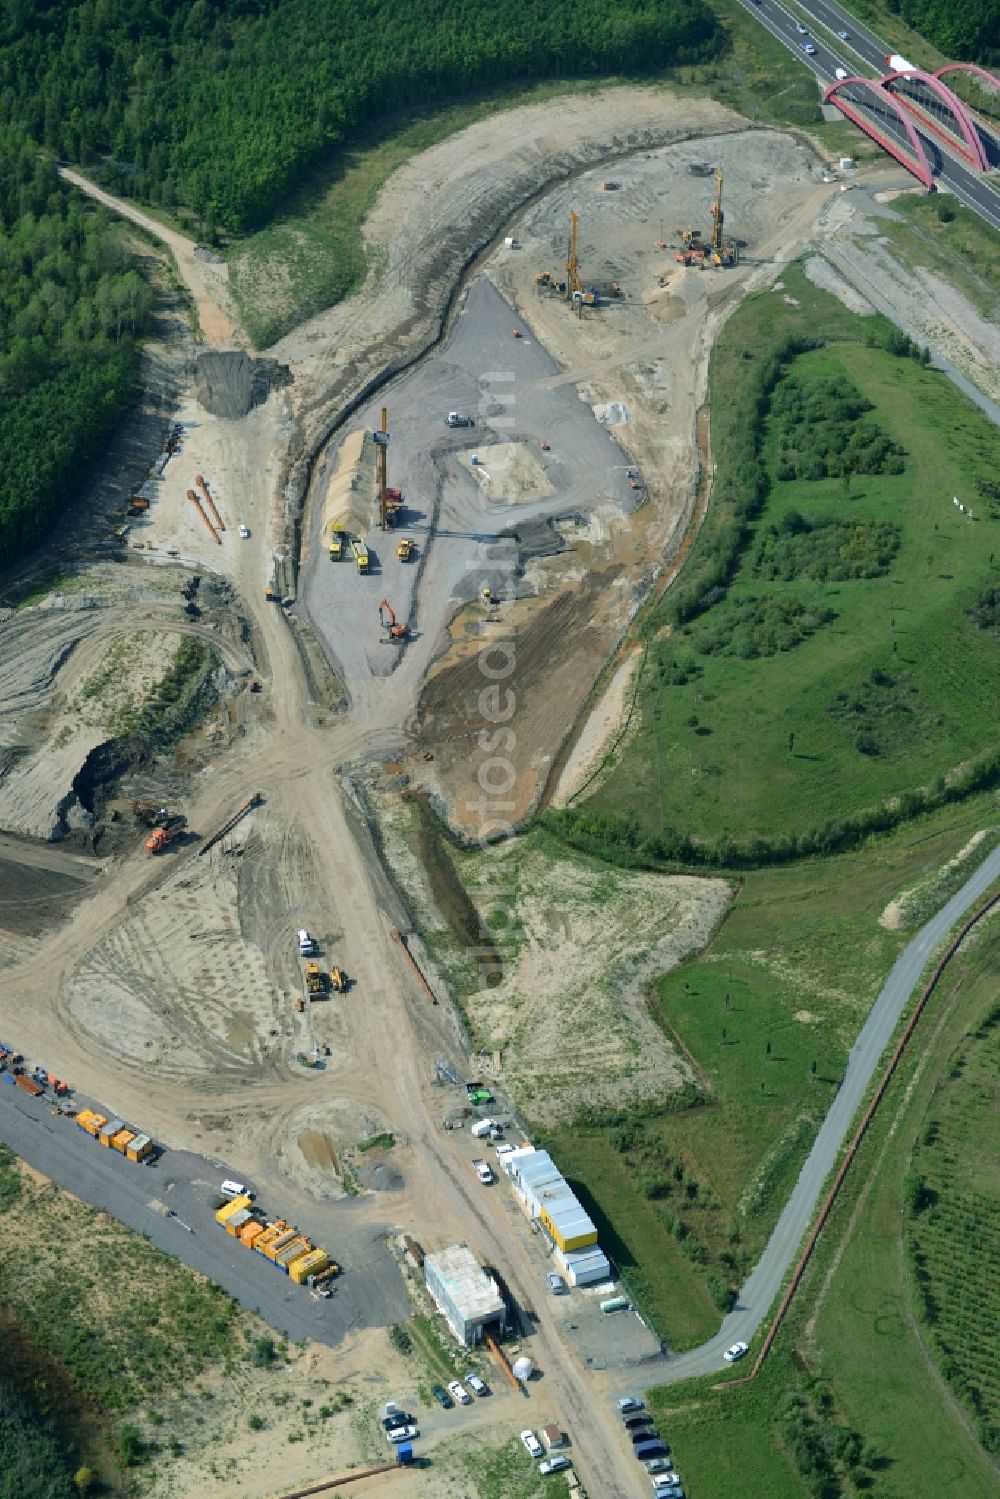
{"x":230,"y":385}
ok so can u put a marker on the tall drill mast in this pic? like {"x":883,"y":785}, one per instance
{"x":573,"y":282}
{"x":717,"y":216}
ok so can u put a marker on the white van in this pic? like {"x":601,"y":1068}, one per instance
{"x":234,"y":1189}
{"x":307,"y":945}
{"x":840,"y":73}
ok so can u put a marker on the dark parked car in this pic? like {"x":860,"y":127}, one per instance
{"x":441,"y":1396}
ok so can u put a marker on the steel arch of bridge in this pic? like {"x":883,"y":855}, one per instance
{"x":976,"y":153}
{"x":921,"y":168}
{"x":968,"y":67}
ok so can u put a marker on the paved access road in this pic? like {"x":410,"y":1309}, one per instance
{"x":969,"y":186}
{"x":185,"y":1186}
{"x":761,"y":1289}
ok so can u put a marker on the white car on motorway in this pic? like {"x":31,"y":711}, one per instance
{"x":845,"y":36}
{"x":736,"y":1351}
{"x":809,"y":48}
{"x":532,"y":1445}
{"x":459,"y":1392}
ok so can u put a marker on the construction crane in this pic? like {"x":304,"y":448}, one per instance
{"x":395,"y":632}
{"x":573,"y":282}
{"x":383,"y":448}
{"x":722,"y":253}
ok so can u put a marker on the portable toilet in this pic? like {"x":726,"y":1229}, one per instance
{"x":404,"y":1452}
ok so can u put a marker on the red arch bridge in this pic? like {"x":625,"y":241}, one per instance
{"x":907,"y":108}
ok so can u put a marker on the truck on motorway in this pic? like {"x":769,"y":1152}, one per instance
{"x":899,"y":64}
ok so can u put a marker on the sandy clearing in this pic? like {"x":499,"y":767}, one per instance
{"x":605,"y":720}
{"x":925,"y":305}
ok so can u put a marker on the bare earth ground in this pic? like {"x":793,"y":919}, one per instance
{"x":166,"y":990}
{"x":579,"y":947}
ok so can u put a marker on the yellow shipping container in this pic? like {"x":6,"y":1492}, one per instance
{"x":280,"y":1242}
{"x":310,"y":1264}
{"x":90,"y":1121}
{"x":121,"y":1140}
{"x":267,"y":1237}
{"x":236,"y":1206}
{"x":139,"y":1147}
{"x":572,"y":1240}
{"x":236,"y":1221}
{"x":251,"y":1232}
{"x":291,"y":1252}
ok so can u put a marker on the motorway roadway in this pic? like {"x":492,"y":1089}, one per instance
{"x":760,"y":1291}
{"x":865,"y":53}
{"x":172,"y":1203}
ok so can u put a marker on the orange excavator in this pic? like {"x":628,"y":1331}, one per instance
{"x":395,"y":631}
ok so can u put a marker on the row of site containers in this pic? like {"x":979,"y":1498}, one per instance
{"x":287,"y":1250}
{"x":115,"y":1134}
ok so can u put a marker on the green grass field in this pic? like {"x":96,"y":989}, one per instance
{"x":899,"y":687}
{"x":952,"y":1193}
{"x":849,"y":1374}
{"x":949,"y":240}
{"x":866,"y":1331}
{"x":801,"y":956}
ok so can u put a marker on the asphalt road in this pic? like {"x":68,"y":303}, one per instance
{"x":760,"y":1291}
{"x":370,"y":1293}
{"x":864,"y":47}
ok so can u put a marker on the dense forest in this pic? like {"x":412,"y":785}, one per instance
{"x":72,"y":308}
{"x":969,"y":32}
{"x":219,"y":104}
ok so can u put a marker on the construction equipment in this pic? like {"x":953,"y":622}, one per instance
{"x":166,"y":833}
{"x":137,"y":504}
{"x":543,"y":279}
{"x":405,"y":549}
{"x":200,"y":481}
{"x":338,"y":980}
{"x":270,"y":595}
{"x":197,"y":505}
{"x":390,"y":498}
{"x":315,"y":985}
{"x":573,"y":282}
{"x":230,"y":823}
{"x":360,"y":552}
{"x":336,"y":546}
{"x":395,"y":631}
{"x":723,"y":253}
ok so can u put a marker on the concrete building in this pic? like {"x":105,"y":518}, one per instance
{"x":467,"y":1297}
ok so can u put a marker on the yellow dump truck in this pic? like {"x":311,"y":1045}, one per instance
{"x":314,"y":981}
{"x":336,"y":546}
{"x":360,"y":553}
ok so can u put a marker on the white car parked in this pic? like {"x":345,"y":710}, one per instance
{"x":459,"y":1392}
{"x":736,"y":1351}
{"x":532,"y":1445}
{"x":244,"y":532}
